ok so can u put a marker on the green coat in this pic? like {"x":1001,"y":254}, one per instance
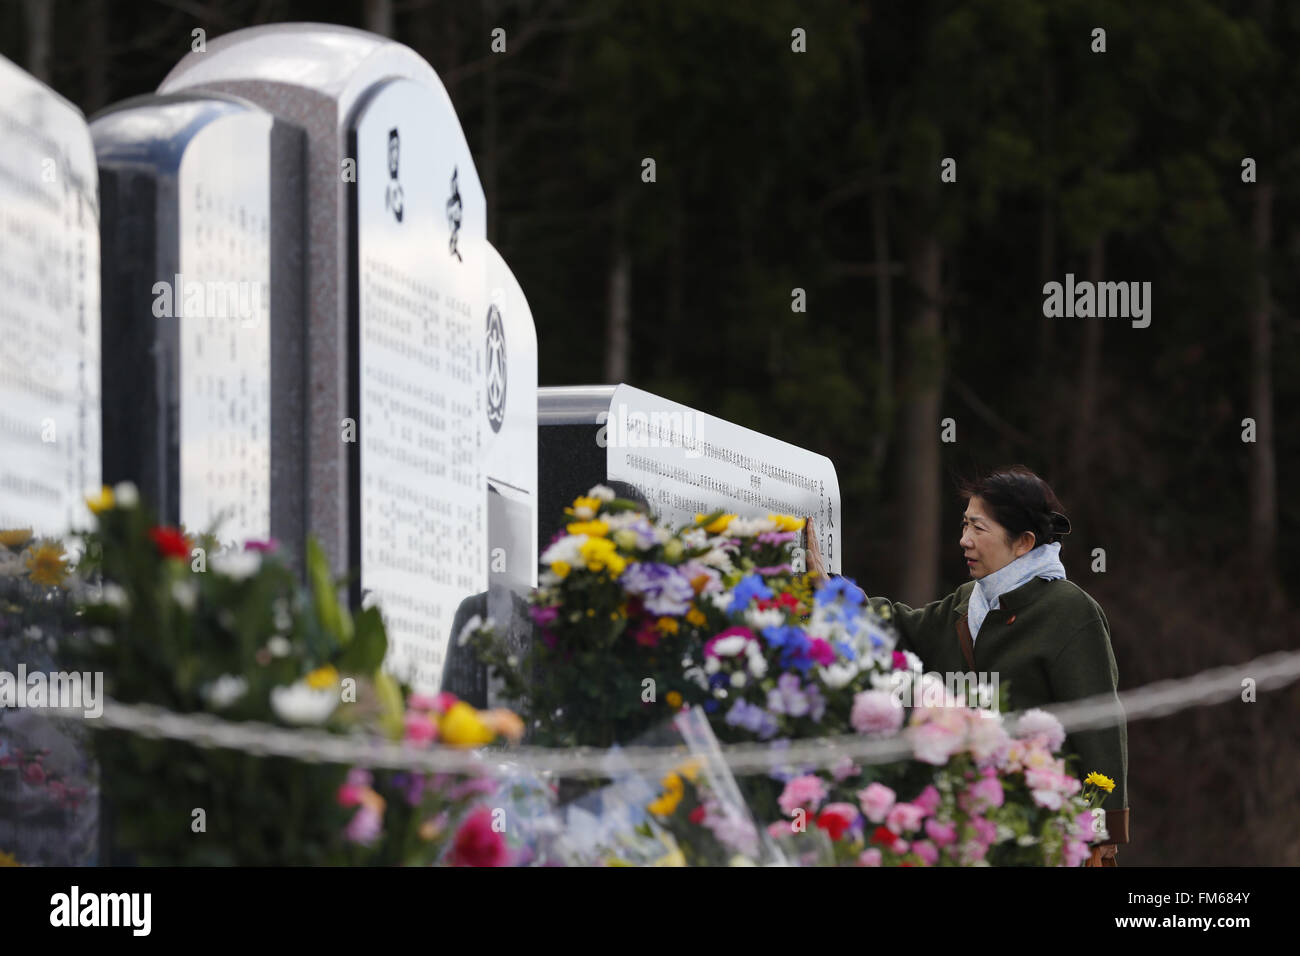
{"x":1048,"y":642}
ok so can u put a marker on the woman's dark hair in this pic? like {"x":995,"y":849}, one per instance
{"x":1020,"y":501}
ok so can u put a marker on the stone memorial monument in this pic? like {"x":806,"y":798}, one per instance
{"x":684,"y":461}
{"x":203,"y":326}
{"x":406,"y":367}
{"x":49,"y":309}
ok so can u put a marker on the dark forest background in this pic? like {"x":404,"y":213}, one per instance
{"x":819,"y":171}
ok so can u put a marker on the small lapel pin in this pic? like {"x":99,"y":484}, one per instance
{"x":1011,"y":619}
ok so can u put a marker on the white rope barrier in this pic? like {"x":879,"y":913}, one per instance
{"x":1160,"y":699}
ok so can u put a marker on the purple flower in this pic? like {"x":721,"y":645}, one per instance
{"x":778,"y":537}
{"x":265,"y":547}
{"x":543,"y":615}
{"x":787,"y":697}
{"x":662,"y":587}
{"x":752,"y":718}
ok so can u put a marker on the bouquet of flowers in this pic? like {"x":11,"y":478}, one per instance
{"x":181,"y":623}
{"x":724,"y":616}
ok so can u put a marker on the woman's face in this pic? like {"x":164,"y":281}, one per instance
{"x":984,"y":541}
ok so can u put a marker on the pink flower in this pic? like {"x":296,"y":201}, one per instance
{"x":935,"y":743}
{"x":984,"y":794}
{"x":1039,"y":723}
{"x":899,"y":661}
{"x":781,"y":828}
{"x":733,"y":641}
{"x":475,"y":785}
{"x":988,"y":739}
{"x":34,"y":773}
{"x":265,"y":547}
{"x":926,"y":851}
{"x":444,"y":701}
{"x":844,"y":769}
{"x":869,"y":857}
{"x":986,"y":831}
{"x":942,"y":834}
{"x":876,"y":712}
{"x":876,"y":801}
{"x":478,"y":843}
{"x":420,"y":729}
{"x":904,"y":818}
{"x":806,"y":793}
{"x":928,"y":800}
{"x":365,"y":826}
{"x":56,"y":789}
{"x":422,"y":702}
{"x":821,"y":652}
{"x":1076,"y":852}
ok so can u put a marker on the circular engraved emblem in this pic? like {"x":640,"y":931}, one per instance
{"x":496,"y":368}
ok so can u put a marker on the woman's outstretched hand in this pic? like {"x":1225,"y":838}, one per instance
{"x":816,"y":564}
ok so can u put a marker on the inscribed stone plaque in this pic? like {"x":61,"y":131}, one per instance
{"x":421,"y":271}
{"x":203,"y":353}
{"x":49,"y":309}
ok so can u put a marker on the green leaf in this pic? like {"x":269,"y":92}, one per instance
{"x":366,"y":651}
{"x":332,"y":617}
{"x":391,"y":704}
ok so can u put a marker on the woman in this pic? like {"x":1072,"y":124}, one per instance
{"x":1019,"y":617}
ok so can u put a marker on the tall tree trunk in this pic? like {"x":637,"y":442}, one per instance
{"x":36,"y":14}
{"x":378,"y":17}
{"x":1262,"y":463}
{"x":884,"y":327}
{"x":619,"y":318}
{"x":1085,"y":421}
{"x":921,"y":486}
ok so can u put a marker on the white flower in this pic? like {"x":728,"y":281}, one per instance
{"x":721,"y":599}
{"x":913,"y":662}
{"x":114,"y":595}
{"x":602,"y":492}
{"x":568,"y":549}
{"x":32,"y":633}
{"x":125,"y":495}
{"x":738,"y":679}
{"x":717,"y":558}
{"x":475,"y":623}
{"x":225,"y":690}
{"x":584,"y":512}
{"x":697,"y":675}
{"x":185,"y":593}
{"x":11,"y":564}
{"x":300,"y":704}
{"x":711,"y":665}
{"x":695,"y":538}
{"x":237,"y":565}
{"x":730,"y":646}
{"x":749,"y":527}
{"x":836,"y":676}
{"x":757,"y":620}
{"x":757,"y":666}
{"x":279,"y":646}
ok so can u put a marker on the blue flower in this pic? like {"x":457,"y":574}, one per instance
{"x":840,"y":587}
{"x":751,"y":586}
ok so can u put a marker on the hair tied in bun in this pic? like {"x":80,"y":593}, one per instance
{"x":1060,"y":523}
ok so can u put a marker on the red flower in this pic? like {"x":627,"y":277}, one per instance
{"x":170,"y":542}
{"x":884,"y":835}
{"x":647,"y":636}
{"x":477,"y":843}
{"x":783,"y":600}
{"x":697,"y":815}
{"x":833,"y":823}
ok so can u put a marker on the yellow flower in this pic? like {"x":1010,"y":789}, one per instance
{"x":674,"y":699}
{"x":560,"y":569}
{"x":667,"y":804}
{"x":601,"y":555}
{"x":673,"y":858}
{"x":16,"y":538}
{"x":322,"y":677}
{"x":584,"y":507}
{"x":461,"y":726}
{"x":666,"y":625}
{"x":787,"y":522}
{"x":624,"y":538}
{"x":101,"y":502}
{"x":690,"y":770}
{"x":717,"y":525}
{"x":673,"y":550}
{"x":8,"y":859}
{"x":45,"y":565}
{"x":1100,"y":780}
{"x":597,"y":528}
{"x":695,"y":617}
